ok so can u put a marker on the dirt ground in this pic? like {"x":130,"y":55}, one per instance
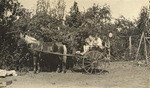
{"x":121,"y":75}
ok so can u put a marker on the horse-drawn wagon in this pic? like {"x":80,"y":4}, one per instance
{"x":93,"y":61}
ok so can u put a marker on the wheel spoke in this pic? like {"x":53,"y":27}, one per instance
{"x":87,"y":62}
{"x":95,"y":70}
{"x":96,"y":55}
{"x":87,"y":65}
{"x":92,"y":56}
{"x":91,"y":70}
{"x":87,"y":59}
{"x":100,"y":57}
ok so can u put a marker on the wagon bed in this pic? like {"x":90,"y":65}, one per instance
{"x":92,"y":61}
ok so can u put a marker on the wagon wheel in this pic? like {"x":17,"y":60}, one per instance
{"x":94,"y":62}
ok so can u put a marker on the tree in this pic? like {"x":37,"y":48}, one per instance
{"x":8,"y":14}
{"x":97,"y":18}
{"x":75,"y":18}
{"x":98,"y":14}
{"x":22,"y":22}
{"x":125,"y":27}
{"x":143,"y":22}
{"x":60,"y":10}
{"x":41,"y":6}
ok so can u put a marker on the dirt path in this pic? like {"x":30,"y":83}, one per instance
{"x":121,"y":75}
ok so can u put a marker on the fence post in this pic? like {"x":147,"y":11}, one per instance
{"x":136,"y":58}
{"x":130,"y":45}
{"x":108,"y":48}
{"x":146,"y":51}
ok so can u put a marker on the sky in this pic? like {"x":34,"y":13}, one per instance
{"x":128,"y":8}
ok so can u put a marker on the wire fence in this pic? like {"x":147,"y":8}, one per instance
{"x":125,"y":48}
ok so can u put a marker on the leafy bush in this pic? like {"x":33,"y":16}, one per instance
{"x":49,"y":27}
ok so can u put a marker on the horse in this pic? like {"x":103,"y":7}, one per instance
{"x":36,"y":47}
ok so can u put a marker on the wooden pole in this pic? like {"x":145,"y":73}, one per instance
{"x":12,"y":32}
{"x":139,"y":46}
{"x":108,"y":48}
{"x":56,"y":53}
{"x":148,"y":45}
{"x":130,"y":45}
{"x":146,"y":51}
{"x":147,"y":41}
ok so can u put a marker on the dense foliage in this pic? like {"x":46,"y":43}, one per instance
{"x":71,"y":30}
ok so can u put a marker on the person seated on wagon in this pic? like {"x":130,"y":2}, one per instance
{"x":88,"y":45}
{"x":98,"y":42}
{"x":92,"y":42}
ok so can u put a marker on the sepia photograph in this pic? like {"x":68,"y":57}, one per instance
{"x":74,"y":43}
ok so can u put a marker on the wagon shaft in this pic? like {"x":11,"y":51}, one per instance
{"x":56,"y":53}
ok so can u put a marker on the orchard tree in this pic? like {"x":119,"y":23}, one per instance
{"x":41,"y":6}
{"x":45,"y":24}
{"x":98,"y":14}
{"x":143,"y":22}
{"x":23,"y":20}
{"x":98,"y":18}
{"x":60,"y":10}
{"x":74,"y":19}
{"x":125,"y":27}
{"x":8,"y":14}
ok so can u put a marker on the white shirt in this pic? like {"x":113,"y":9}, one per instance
{"x":30,"y":40}
{"x":89,"y":41}
{"x":98,"y":42}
